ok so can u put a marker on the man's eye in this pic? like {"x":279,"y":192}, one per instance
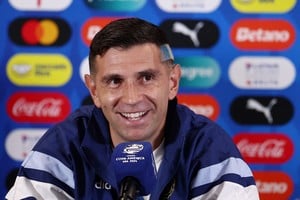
{"x":114,"y":82}
{"x":148,"y":77}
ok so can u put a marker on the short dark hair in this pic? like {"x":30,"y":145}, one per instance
{"x":125,"y":33}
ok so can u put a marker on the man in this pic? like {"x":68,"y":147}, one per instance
{"x":133,"y":83}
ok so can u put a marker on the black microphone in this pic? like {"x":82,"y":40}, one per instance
{"x":134,"y":168}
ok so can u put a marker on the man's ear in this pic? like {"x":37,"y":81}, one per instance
{"x":91,"y":85}
{"x":175,"y":76}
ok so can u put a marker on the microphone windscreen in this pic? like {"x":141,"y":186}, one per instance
{"x":135,"y":159}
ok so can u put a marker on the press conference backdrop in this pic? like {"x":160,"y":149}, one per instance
{"x":239,"y":58}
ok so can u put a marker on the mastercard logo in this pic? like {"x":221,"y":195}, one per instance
{"x":39,"y":31}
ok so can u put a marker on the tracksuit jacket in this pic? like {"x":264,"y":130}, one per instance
{"x":72,"y":161}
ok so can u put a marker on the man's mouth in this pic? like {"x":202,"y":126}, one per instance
{"x":134,"y":115}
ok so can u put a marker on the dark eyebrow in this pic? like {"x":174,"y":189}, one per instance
{"x":109,"y":77}
{"x":149,"y":72}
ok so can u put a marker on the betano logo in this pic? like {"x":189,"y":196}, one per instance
{"x":92,"y":26}
{"x":202,"y":6}
{"x":262,"y":72}
{"x":198,"y":72}
{"x":20,"y":141}
{"x":39,"y":69}
{"x":38,"y":107}
{"x":261,"y":34}
{"x":39,"y":31}
{"x":116,"y":5}
{"x":263,"y":6}
{"x":40,"y":5}
{"x":273,"y":184}
{"x":264,"y":148}
{"x":201,"y":104}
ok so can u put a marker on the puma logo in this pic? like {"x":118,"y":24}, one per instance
{"x":266,"y":110}
{"x":179,"y":27}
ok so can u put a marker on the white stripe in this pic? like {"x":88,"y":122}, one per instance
{"x":214,"y":172}
{"x":40,"y":161}
{"x":232,"y":191}
{"x":29,"y":188}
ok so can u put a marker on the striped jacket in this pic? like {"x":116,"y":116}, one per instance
{"x":72,"y":161}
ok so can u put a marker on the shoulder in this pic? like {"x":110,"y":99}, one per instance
{"x":205,"y":137}
{"x":69,"y":130}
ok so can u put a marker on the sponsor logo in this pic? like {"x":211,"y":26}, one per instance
{"x":201,"y":104}
{"x":263,"y":6}
{"x":39,"y":69}
{"x":40,"y":5}
{"x":38,"y":107}
{"x":102,"y":185}
{"x":258,"y":72}
{"x":199,"y":6}
{"x":191,"y":33}
{"x":133,"y":148}
{"x":198,"y":72}
{"x":92,"y":26}
{"x":19,"y":142}
{"x":261,"y":110}
{"x":116,"y":5}
{"x":84,"y":68}
{"x":264,"y":148}
{"x":39,"y":31}
{"x":273,"y":184}
{"x":258,"y":34}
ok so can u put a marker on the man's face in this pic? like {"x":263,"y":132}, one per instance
{"x":132,"y":87}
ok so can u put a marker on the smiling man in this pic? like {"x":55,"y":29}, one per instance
{"x":133,"y":82}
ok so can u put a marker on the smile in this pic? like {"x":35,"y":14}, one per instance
{"x":133,"y":116}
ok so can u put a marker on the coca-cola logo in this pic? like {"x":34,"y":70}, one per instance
{"x":273,"y":185}
{"x":38,"y":107}
{"x":264,"y":148}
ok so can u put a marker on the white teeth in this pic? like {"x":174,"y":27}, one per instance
{"x":133,"y":116}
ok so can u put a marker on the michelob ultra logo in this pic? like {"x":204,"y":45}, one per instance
{"x":262,"y":72}
{"x":19,"y":142}
{"x":263,"y":6}
{"x":39,"y":69}
{"x":203,"y":6}
{"x":40,"y":5}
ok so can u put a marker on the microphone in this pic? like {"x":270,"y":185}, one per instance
{"x":134,"y":168}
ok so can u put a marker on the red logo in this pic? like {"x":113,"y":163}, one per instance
{"x":264,"y":148}
{"x":258,"y":34}
{"x":273,"y":185}
{"x":92,"y":26}
{"x":38,"y":107}
{"x":201,"y":104}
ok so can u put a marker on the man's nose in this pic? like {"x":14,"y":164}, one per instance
{"x":131,"y":93}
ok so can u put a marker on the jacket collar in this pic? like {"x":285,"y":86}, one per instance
{"x":97,"y":146}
